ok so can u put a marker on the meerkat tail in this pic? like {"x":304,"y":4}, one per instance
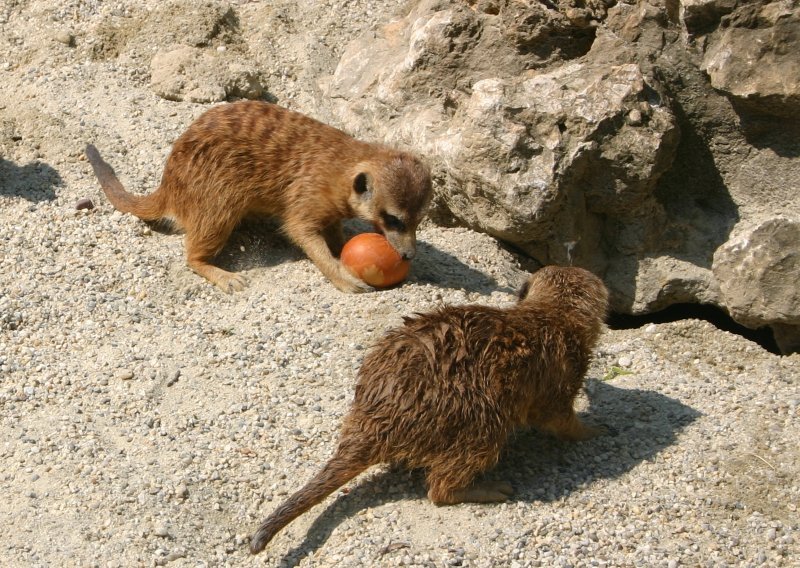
{"x":339,"y":470}
{"x":146,"y":207}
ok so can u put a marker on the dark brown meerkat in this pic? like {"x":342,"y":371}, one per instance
{"x":253,"y":158}
{"x":444,"y":391}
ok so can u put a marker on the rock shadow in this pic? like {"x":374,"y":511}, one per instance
{"x":36,"y":181}
{"x":779,"y":134}
{"x":699,"y":215}
{"x":695,"y":197}
{"x":540,"y":468}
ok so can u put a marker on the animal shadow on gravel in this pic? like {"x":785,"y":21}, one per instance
{"x":260,"y":244}
{"x":446,"y":271}
{"x":255,"y":243}
{"x":641,"y":423}
{"x":434,"y":266}
{"x":539,"y":467}
{"x":35,"y":181}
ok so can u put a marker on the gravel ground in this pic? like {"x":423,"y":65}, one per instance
{"x":147,"y":419}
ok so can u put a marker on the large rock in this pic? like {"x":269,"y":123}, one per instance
{"x":536,"y":158}
{"x":753,"y":56}
{"x":594,"y":135}
{"x":758,"y":270}
{"x":536,"y":155}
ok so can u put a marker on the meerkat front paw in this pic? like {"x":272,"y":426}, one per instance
{"x":352,"y":285}
{"x":346,"y":282}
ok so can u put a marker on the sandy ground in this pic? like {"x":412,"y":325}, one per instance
{"x":148,"y":419}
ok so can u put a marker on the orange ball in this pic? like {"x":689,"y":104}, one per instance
{"x":370,"y":257}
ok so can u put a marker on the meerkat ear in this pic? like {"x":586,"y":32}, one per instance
{"x":523,"y":291}
{"x":361,"y":185}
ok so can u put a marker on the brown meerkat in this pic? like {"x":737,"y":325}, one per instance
{"x":253,"y":158}
{"x":444,"y":391}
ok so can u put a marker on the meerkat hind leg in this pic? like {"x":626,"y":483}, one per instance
{"x":198,"y":254}
{"x":454,"y":482}
{"x":570,"y":428}
{"x":481,"y":492}
{"x":485,"y":492}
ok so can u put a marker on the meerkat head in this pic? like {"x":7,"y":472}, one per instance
{"x":568,"y":286}
{"x":393,"y":194}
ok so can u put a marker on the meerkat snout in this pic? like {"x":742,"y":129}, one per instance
{"x":404,"y":243}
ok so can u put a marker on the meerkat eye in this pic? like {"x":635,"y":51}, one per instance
{"x":392,"y":223}
{"x":360,"y":184}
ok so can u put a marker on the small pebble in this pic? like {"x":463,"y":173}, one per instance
{"x":176,"y":554}
{"x":124,"y":374}
{"x":635,"y":117}
{"x":84,"y":203}
{"x":173,"y":377}
{"x":65,"y":37}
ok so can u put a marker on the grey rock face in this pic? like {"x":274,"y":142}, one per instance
{"x":617,"y":138}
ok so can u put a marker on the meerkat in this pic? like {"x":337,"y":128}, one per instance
{"x":444,"y":391}
{"x":253,"y":158}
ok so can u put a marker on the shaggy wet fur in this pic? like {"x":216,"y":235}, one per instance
{"x":253,"y":158}
{"x":444,"y":391}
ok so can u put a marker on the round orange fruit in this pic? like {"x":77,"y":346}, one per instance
{"x":370,"y":257}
